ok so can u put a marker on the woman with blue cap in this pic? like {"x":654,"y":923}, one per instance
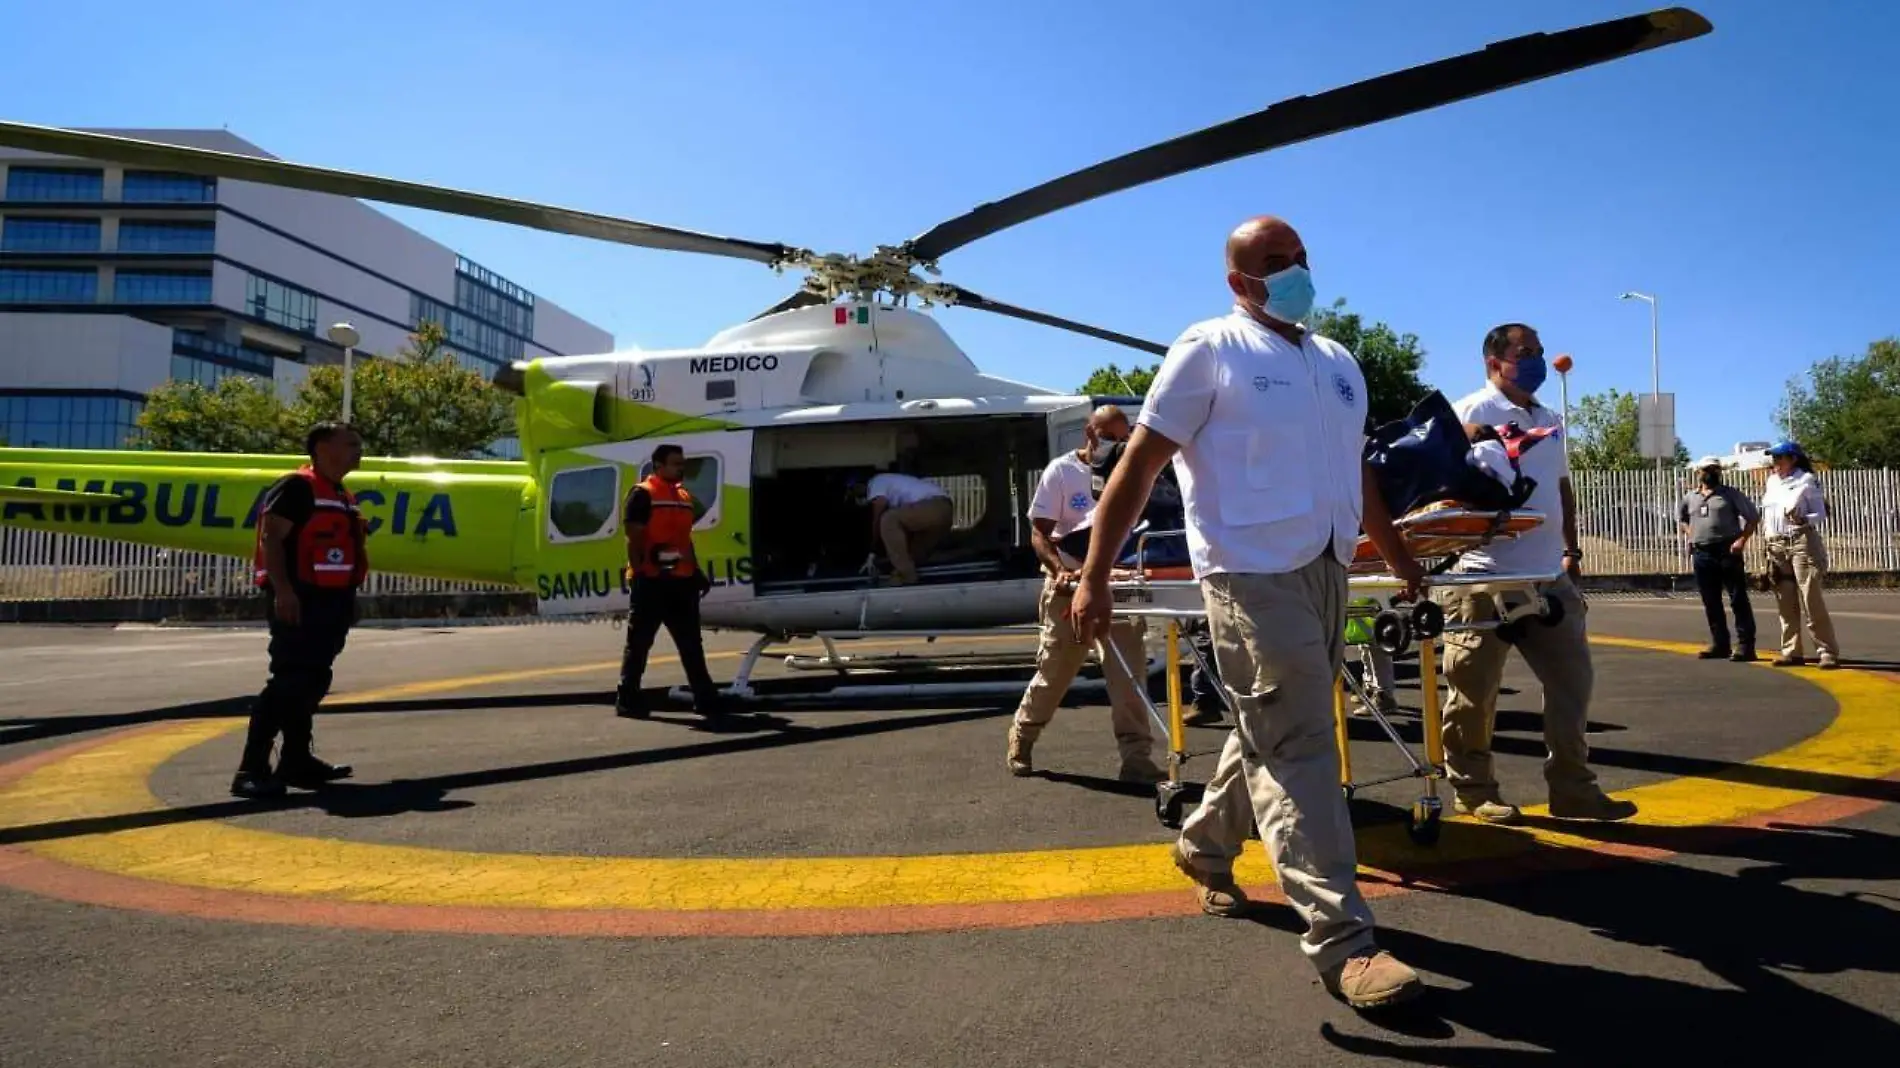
{"x":1791,"y":508}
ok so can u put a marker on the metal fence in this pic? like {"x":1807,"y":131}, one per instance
{"x":1626,"y":525}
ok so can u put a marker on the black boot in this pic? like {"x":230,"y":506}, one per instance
{"x":1745,"y":655}
{"x":630,"y":704}
{"x":306,"y":771}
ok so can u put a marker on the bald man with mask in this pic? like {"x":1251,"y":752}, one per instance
{"x":1064,"y":498}
{"x":1265,"y":424}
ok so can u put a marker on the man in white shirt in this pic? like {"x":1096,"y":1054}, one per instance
{"x":1560,"y":655}
{"x":1265,"y":423}
{"x":909,"y":516}
{"x":1064,"y":498}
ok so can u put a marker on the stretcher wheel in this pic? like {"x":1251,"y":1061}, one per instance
{"x":1390,"y":632}
{"x":1422,"y":825}
{"x":1428,"y":619}
{"x":1553,"y":612}
{"x":1169,"y":804}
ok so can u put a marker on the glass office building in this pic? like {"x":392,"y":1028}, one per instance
{"x":114,"y":279}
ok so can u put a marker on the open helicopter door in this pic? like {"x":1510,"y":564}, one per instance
{"x":582,"y":529}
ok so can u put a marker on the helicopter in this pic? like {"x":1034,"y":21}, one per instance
{"x":776,"y":415}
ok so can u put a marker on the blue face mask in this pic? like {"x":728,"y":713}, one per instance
{"x":1289,"y":293}
{"x":1528,"y":373}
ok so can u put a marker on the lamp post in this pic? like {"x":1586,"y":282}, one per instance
{"x":1563,"y":363}
{"x":345,"y":335}
{"x":1655,"y":393}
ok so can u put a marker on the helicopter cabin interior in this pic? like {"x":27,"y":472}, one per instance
{"x":809,"y":535}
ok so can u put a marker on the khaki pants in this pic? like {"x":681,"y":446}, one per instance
{"x":1474,"y":667}
{"x":1060,"y":656}
{"x":910,"y":532}
{"x":1797,"y":565}
{"x":1279,"y":641}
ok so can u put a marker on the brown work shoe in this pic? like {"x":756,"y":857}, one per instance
{"x":1219,"y":894}
{"x":1141,"y":770}
{"x":1789,"y":661}
{"x":1018,"y":758}
{"x":1600,"y":807}
{"x":1489,"y":810}
{"x":1372,"y":979}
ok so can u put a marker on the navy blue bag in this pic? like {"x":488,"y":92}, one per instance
{"x":1165,"y":511}
{"x":1420,"y":459}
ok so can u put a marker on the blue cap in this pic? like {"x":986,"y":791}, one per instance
{"x":1784,"y":448}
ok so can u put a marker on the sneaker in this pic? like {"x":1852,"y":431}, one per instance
{"x":1601,"y":807}
{"x":1219,"y":894}
{"x":255,"y":784}
{"x":1018,"y":758}
{"x":1490,"y":810}
{"x":1372,"y":979}
{"x":1789,"y":661}
{"x":1141,"y":770}
{"x":1828,"y":663}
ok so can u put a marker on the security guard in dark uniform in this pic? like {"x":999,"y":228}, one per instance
{"x":667,"y":584}
{"x":310,"y":559}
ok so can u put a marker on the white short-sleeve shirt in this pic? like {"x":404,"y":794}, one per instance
{"x":1800,"y":493}
{"x":1065,"y":495}
{"x":1271,"y":435}
{"x":1541,"y":550}
{"x":899,"y":490}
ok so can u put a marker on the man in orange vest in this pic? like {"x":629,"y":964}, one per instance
{"x":310,"y":559}
{"x":667,"y":583}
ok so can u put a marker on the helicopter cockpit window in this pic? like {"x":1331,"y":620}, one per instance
{"x":702,"y":481}
{"x":722,"y":389}
{"x":582,"y":503}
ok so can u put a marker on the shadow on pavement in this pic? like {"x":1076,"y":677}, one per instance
{"x":353,"y":799}
{"x":1747,"y":1007}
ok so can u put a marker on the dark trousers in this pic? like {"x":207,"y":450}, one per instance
{"x":302,"y":656}
{"x":672,"y":603}
{"x":1717,"y":569}
{"x":1201,"y":683}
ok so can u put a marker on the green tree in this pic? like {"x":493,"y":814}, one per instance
{"x":1606,"y":434}
{"x":1389,"y":360}
{"x":422,"y":402}
{"x":241,"y":414}
{"x":1114,"y":381}
{"x":1848,"y":412}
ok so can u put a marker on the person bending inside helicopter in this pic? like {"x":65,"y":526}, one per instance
{"x":667,"y":584}
{"x":909,"y":516}
{"x":1064,"y":498}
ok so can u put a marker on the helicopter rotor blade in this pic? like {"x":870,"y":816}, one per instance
{"x":1302,"y":118}
{"x":204,"y":161}
{"x":957,"y":296}
{"x":804,"y":298}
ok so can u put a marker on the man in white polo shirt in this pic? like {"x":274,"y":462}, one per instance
{"x":909,"y":516}
{"x":1064,"y":498}
{"x":1265,"y":423}
{"x":1559,"y":656}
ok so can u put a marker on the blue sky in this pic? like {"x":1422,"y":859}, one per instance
{"x":1744,"y":177}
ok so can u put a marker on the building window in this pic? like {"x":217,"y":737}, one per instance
{"x":193,"y":344}
{"x":492,"y":306}
{"x":49,"y":235}
{"x":162,"y":287}
{"x":68,"y":421}
{"x":55,"y":183}
{"x":208,"y":374}
{"x":47,"y":285}
{"x":466,"y":335}
{"x":142,"y":236}
{"x":157,"y":186}
{"x":287,"y":306}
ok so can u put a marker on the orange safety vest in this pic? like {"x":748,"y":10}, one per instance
{"x":669,"y":548}
{"x":328,"y":550}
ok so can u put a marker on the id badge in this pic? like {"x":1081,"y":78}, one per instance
{"x":1705,"y":510}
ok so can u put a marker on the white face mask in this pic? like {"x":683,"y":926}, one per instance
{"x":1099,"y":452}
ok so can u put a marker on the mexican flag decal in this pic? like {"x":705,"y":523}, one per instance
{"x":843,"y":316}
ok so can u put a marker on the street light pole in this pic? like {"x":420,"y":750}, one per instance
{"x":1655,"y":392}
{"x":345,"y":335}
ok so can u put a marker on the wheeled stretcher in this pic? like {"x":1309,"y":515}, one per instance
{"x":1436,"y":536}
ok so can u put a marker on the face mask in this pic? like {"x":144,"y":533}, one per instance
{"x":1529,"y":373}
{"x":1102,"y":450}
{"x":1289,"y":293}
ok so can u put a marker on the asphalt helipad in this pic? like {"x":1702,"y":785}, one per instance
{"x":517,"y":877}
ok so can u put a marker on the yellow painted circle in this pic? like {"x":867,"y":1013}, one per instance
{"x":108,"y":782}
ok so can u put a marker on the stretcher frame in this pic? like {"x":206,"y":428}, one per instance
{"x":1173,"y":596}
